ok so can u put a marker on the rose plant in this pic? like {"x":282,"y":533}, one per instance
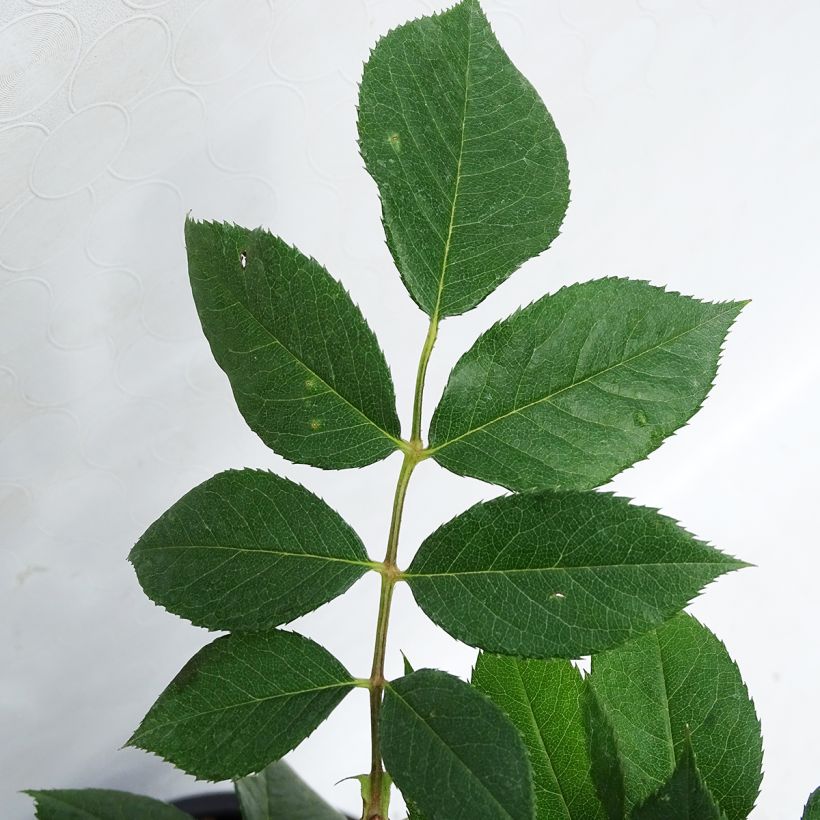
{"x":549,"y":403}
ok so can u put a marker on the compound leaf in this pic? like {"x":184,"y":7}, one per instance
{"x":676,"y":680}
{"x":812,"y":809}
{"x":453,"y":752}
{"x":684,"y":796}
{"x":247,"y":550}
{"x":558,"y":575}
{"x":100,"y":804}
{"x":471,"y":169}
{"x":579,"y":385}
{"x":307,"y":372}
{"x":242,"y":702}
{"x":544,"y":700}
{"x":278,"y":793}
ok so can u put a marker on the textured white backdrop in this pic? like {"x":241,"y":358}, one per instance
{"x":693,"y":132}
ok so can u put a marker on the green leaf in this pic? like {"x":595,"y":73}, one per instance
{"x":242,"y":702}
{"x":100,"y":804}
{"x":676,"y":679}
{"x":569,"y":391}
{"x":558,"y":575}
{"x":471,"y":169}
{"x":307,"y":372}
{"x":247,"y":550}
{"x":453,"y":752}
{"x":544,"y":701}
{"x":812,"y":810}
{"x":278,"y":793}
{"x":606,"y":761}
{"x":683,"y":797}
{"x":408,"y":667}
{"x":413,"y":812}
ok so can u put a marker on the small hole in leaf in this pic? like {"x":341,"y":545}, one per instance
{"x":558,"y":596}
{"x":243,"y":259}
{"x":315,"y":424}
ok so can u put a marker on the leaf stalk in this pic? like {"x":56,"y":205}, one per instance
{"x":421,"y":374}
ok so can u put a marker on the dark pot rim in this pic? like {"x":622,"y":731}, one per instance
{"x":218,"y":805}
{"x":212,"y":805}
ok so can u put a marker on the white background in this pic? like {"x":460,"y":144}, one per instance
{"x":693,"y":133}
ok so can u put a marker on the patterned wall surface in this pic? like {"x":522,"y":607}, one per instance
{"x":692,"y":130}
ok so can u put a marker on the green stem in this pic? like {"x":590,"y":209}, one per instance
{"x":432,"y":332}
{"x":390,"y":574}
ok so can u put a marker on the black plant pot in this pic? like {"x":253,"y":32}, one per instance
{"x":216,"y":806}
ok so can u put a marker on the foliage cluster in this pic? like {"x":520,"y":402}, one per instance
{"x":550,"y":403}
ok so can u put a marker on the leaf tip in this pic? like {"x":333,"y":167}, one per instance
{"x":730,"y":562}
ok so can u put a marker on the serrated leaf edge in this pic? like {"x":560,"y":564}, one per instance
{"x":435,"y":315}
{"x":736,"y":306}
{"x":396,"y":439}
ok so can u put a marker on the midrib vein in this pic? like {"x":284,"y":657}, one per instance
{"x":666,"y":710}
{"x":231,"y":706}
{"x":423,"y":721}
{"x":457,"y":182}
{"x":548,"y":398}
{"x":262,"y":551}
{"x":410,"y":575}
{"x":275,"y":340}
{"x":541,"y":742}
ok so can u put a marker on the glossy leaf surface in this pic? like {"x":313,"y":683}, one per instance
{"x":100,"y":804}
{"x":543,"y":699}
{"x":678,"y":679}
{"x":453,"y":752}
{"x":579,"y":385}
{"x":683,"y":797}
{"x":558,"y":574}
{"x":278,"y":793}
{"x":307,"y":372}
{"x":247,"y":550}
{"x":242,"y":702}
{"x":471,"y":169}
